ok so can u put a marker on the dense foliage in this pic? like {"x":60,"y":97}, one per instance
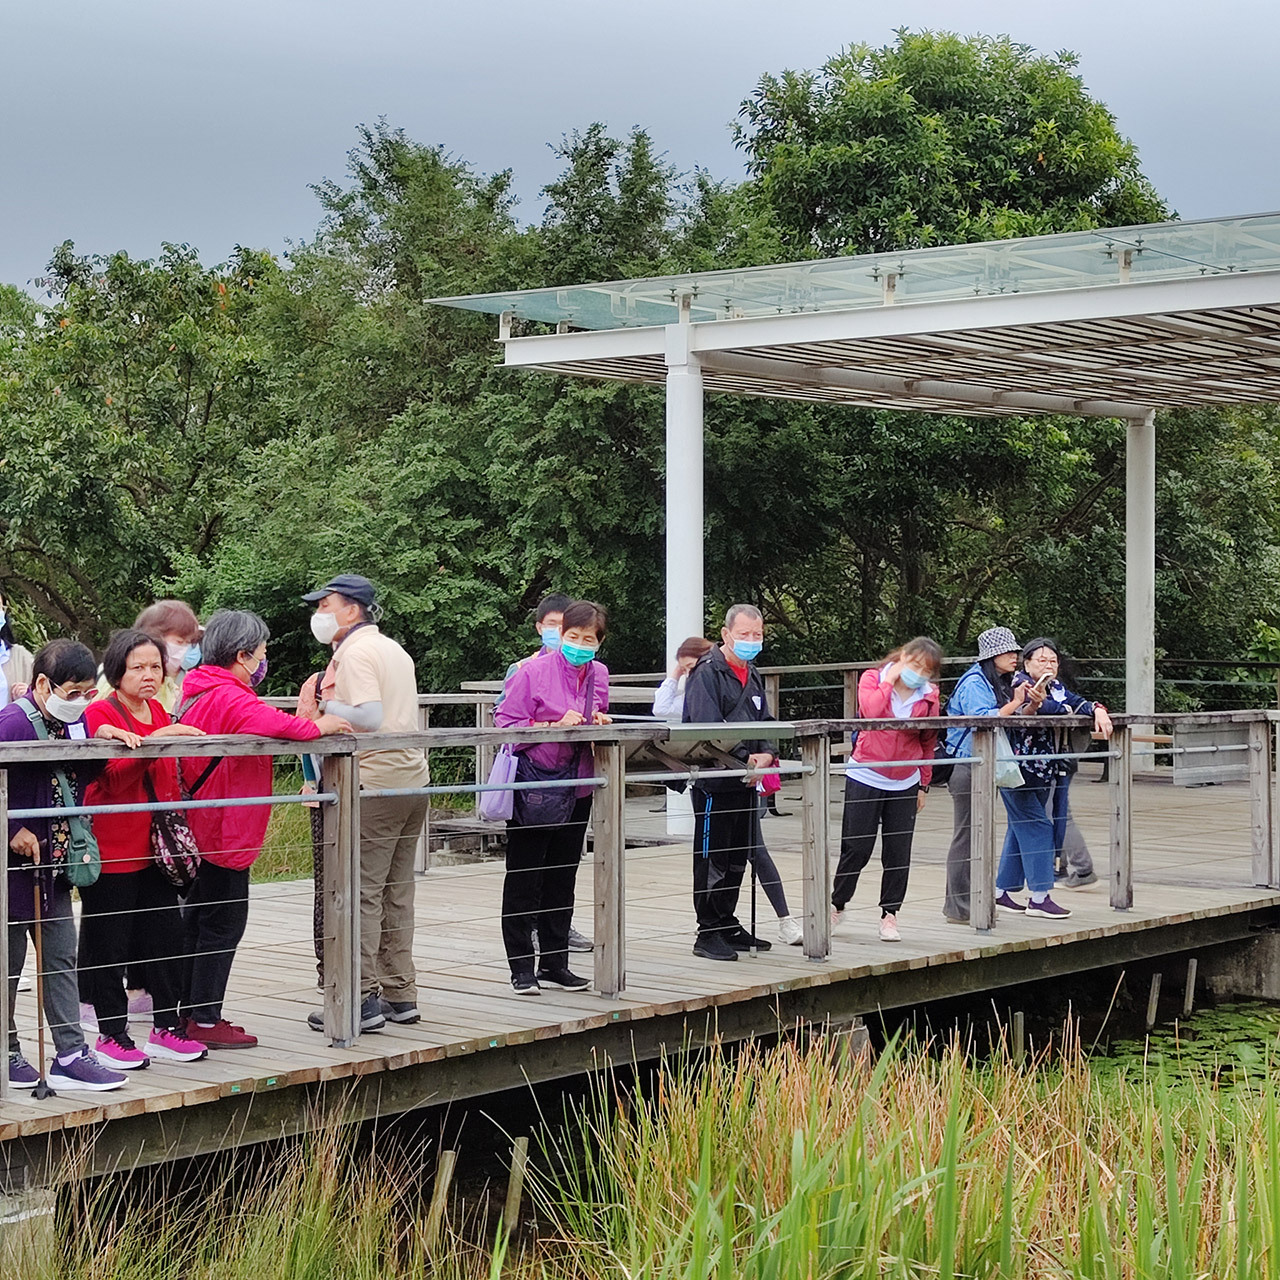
{"x":234,"y":434}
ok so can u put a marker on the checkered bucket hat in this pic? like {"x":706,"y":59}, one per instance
{"x":995,"y":641}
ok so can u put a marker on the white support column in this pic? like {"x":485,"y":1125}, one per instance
{"x":684,"y":486}
{"x":1140,"y":567}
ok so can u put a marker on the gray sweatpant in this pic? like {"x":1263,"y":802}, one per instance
{"x":956,"y":902}
{"x":61,"y":988}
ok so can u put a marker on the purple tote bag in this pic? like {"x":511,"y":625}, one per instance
{"x":497,"y":806}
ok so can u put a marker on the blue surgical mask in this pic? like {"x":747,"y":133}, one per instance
{"x":191,"y":659}
{"x":747,"y":650}
{"x":550,"y":637}
{"x":576,"y":655}
{"x":912,"y":678}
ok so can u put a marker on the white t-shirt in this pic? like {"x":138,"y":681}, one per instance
{"x":901,"y":708}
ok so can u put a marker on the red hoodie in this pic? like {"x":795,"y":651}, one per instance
{"x":232,"y":837}
{"x":875,"y":701}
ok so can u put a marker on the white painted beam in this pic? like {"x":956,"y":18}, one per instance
{"x":1140,"y":566}
{"x":684,"y":501}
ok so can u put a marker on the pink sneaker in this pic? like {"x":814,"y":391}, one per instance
{"x":122,"y":1054}
{"x":173,"y":1047}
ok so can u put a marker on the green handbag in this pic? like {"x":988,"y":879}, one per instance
{"x":83,"y":863}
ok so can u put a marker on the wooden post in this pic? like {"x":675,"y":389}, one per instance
{"x":1121,"y":787}
{"x":851,"y":693}
{"x":4,"y":939}
{"x":341,"y":901}
{"x":1153,"y":1000}
{"x":439,"y":1199}
{"x":982,"y":830}
{"x":1019,"y":1038}
{"x":1260,"y":789}
{"x":608,"y":827}
{"x":422,"y":854}
{"x":515,"y":1185}
{"x":773,"y":693}
{"x":1189,"y":989}
{"x":484,"y":754}
{"x":815,"y":818}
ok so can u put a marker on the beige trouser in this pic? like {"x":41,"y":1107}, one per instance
{"x":389,"y":831}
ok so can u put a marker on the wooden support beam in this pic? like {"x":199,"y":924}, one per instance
{"x":1189,"y":988}
{"x":982,"y":829}
{"x":439,"y":1200}
{"x":342,"y":902}
{"x":1121,"y":787}
{"x":851,"y":693}
{"x":1019,"y":1038}
{"x":773,"y":693}
{"x":815,"y":818}
{"x":515,"y":1184}
{"x":608,"y":827}
{"x":1153,"y":1000}
{"x":1261,"y":787}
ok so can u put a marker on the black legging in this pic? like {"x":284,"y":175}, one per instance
{"x":893,"y":814}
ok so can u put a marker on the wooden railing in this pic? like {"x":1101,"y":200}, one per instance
{"x":809,"y":749}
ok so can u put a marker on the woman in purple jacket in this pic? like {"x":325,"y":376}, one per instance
{"x":564,"y":687}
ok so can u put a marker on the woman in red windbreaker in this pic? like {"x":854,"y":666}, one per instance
{"x":130,"y":916}
{"x":881,"y":794}
{"x":220,"y":696}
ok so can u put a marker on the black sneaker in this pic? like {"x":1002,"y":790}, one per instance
{"x":398,"y":1010}
{"x":741,"y":940}
{"x":711,"y":946}
{"x":525,"y":984}
{"x":563,"y":978}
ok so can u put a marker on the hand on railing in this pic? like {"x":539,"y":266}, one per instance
{"x":600,"y":717}
{"x":329,"y":723}
{"x":1102,"y":722}
{"x":178,"y":731}
{"x":114,"y":733}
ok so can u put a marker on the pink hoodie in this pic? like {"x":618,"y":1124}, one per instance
{"x":875,"y":701}
{"x":232,"y":837}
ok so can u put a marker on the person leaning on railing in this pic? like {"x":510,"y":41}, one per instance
{"x":220,"y":696}
{"x":130,"y":915}
{"x":546,"y":834}
{"x":62,"y":685}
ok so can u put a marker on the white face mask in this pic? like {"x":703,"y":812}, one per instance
{"x":63,"y":709}
{"x":325,"y":626}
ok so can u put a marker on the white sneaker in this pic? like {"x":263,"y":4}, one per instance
{"x":889,"y":929}
{"x":789,"y":931}
{"x":837,"y":918}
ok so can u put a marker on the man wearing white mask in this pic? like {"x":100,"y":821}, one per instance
{"x":725,"y":688}
{"x":372,"y":679}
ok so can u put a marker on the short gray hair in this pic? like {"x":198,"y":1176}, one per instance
{"x":737,"y":611}
{"x":230,"y":633}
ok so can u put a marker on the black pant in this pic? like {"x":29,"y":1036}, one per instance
{"x":893,"y":814}
{"x":131,"y":918}
{"x":215,"y":914}
{"x":725,"y":830}
{"x":542,"y":869}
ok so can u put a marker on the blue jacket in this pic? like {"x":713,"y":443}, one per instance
{"x":972,"y":696}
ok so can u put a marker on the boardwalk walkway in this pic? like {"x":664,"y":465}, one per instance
{"x":1192,"y":877}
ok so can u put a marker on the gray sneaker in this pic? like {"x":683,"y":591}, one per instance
{"x":579,"y":941}
{"x":1079,"y":882}
{"x":84,"y":1072}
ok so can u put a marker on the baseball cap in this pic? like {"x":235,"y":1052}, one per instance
{"x":351,"y":585}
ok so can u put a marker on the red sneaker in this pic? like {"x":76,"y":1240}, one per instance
{"x":222,"y":1035}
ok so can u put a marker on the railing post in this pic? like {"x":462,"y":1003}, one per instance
{"x":4,"y":937}
{"x":422,"y":854}
{"x":815,"y":816}
{"x":1260,"y":789}
{"x":982,"y":829}
{"x":340,"y":775}
{"x":773,"y":693}
{"x":851,"y":693}
{"x":1121,"y":785}
{"x":608,"y":828}
{"x":484,"y":754}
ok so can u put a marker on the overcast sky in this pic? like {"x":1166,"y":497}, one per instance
{"x":124,"y":123}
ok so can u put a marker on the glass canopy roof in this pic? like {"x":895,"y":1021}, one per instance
{"x":1073,"y":260}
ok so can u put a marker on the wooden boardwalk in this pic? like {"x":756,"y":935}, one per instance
{"x":1192,"y":888}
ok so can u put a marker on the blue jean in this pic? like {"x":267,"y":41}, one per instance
{"x":1027,"y":857}
{"x":1060,"y":811}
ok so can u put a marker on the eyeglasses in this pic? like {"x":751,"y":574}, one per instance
{"x":77,"y":695}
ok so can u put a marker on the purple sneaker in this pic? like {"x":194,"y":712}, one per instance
{"x":84,"y":1072}
{"x":1007,"y":902}
{"x":1049,"y":909}
{"x":21,"y":1072}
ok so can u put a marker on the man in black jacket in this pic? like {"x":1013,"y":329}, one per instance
{"x":725,"y":688}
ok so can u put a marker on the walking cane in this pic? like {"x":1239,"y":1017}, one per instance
{"x":42,"y":1089}
{"x":751,"y":858}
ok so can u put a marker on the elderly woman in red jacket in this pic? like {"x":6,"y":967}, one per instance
{"x":880,"y":794}
{"x":221,"y":697}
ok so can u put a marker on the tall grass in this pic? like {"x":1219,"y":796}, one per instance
{"x":798,"y":1162}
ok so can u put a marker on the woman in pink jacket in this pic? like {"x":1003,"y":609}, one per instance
{"x":221,"y":697}
{"x":880,"y":794}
